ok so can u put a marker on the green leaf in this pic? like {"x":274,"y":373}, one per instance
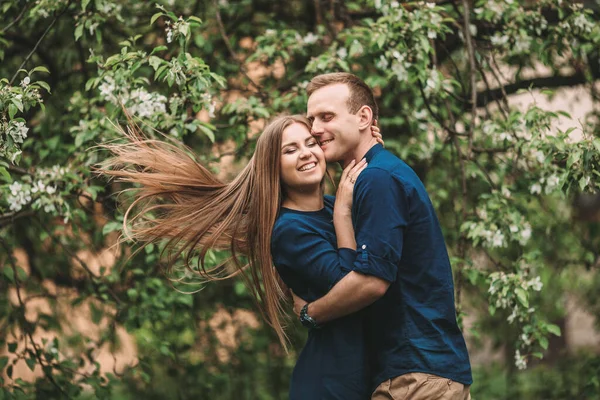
{"x":522,"y":296}
{"x":207,"y":132}
{"x":44,"y":85}
{"x":18,"y":103}
{"x":31,"y":363}
{"x":159,"y":48}
{"x":155,"y":17}
{"x":554,"y":329}
{"x":5,"y":174}
{"x":132,"y":293}
{"x":155,"y":62}
{"x":111,"y":227}
{"x":3,"y":362}
{"x":97,"y":313}
{"x":9,"y":273}
{"x":40,"y":69}
{"x":544,"y":343}
{"x":12,"y":110}
{"x":12,"y":347}
{"x":78,"y":31}
{"x":84,"y":4}
{"x":94,"y":190}
{"x":196,"y":19}
{"x":582,"y":183}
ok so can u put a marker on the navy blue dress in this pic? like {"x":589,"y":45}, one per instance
{"x":332,"y":364}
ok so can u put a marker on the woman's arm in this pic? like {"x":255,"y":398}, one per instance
{"x":342,"y":211}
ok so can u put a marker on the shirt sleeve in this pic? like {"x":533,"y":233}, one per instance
{"x":310,"y":256}
{"x":381,"y":214}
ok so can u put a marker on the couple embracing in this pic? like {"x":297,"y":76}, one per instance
{"x":368,"y":268}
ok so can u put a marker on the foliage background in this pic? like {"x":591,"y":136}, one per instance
{"x":515,"y":192}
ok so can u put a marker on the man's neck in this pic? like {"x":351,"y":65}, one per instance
{"x":359,"y":153}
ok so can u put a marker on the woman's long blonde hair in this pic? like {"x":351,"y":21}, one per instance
{"x":179,"y":200}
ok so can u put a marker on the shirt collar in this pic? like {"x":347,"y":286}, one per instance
{"x":373,"y":151}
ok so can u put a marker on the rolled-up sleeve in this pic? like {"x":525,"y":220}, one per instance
{"x":301,"y":250}
{"x":380,"y":213}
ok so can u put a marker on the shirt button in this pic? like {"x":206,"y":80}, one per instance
{"x":364,"y":246}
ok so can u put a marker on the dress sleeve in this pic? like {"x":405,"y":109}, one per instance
{"x":381,"y":214}
{"x":304,"y":252}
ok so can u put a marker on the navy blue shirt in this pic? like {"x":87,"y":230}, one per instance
{"x":413,"y":327}
{"x":332,"y":364}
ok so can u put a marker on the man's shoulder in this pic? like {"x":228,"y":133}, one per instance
{"x":388,"y":164}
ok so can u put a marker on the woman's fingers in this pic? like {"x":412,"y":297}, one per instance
{"x":376,"y":132}
{"x":347,"y":170}
{"x":356,"y":170}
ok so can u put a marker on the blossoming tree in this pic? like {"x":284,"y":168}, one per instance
{"x":504,"y":179}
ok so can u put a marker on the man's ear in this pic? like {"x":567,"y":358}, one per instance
{"x":365,"y":117}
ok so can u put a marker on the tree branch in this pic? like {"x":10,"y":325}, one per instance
{"x":488,"y":96}
{"x":232,"y":52}
{"x":56,"y":18}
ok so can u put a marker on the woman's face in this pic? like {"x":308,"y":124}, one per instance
{"x":302,"y":160}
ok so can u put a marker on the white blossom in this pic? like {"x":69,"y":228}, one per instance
{"x":38,"y":186}
{"x":25,"y":81}
{"x":522,"y":44}
{"x":18,"y":131}
{"x":498,"y":40}
{"x":540,"y":156}
{"x":15,"y":188}
{"x":536,"y":188}
{"x":513,"y":315}
{"x":497,"y":239}
{"x":382,"y":63}
{"x":146,"y":104}
{"x":535,"y":284}
{"x":520,"y":361}
{"x":310,"y":38}
{"x":399,"y":71}
{"x":525,"y":234}
{"x":552,"y":183}
{"x":342,"y":53}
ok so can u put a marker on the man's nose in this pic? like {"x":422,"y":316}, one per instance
{"x":316,"y":129}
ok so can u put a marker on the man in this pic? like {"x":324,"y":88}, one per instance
{"x":402,"y":271}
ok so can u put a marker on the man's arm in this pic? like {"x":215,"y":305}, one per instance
{"x":381,"y":208}
{"x":352,"y":293}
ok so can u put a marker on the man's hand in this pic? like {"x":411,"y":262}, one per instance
{"x":298,"y":303}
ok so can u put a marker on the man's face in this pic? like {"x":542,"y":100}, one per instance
{"x":334,"y":126}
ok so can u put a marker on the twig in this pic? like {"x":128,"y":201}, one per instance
{"x":232,"y":52}
{"x":82,"y":263}
{"x":39,"y":41}
{"x":36,"y":349}
{"x":473,"y":69}
{"x":7,"y":27}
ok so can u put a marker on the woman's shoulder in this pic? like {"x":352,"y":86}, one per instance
{"x":289,"y":223}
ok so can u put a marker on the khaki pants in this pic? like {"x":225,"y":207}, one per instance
{"x":420,"y":386}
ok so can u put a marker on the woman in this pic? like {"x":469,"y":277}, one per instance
{"x":273,"y":212}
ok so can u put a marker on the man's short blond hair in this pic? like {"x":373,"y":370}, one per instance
{"x":360,"y":93}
